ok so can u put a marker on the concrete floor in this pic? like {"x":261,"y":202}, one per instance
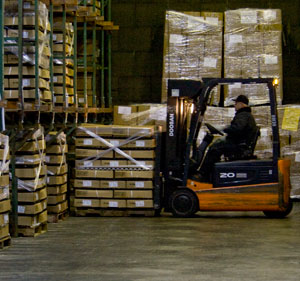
{"x":216,"y":246}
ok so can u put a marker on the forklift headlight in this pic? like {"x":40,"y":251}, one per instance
{"x":192,"y":108}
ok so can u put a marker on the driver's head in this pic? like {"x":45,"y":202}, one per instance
{"x":240,"y":102}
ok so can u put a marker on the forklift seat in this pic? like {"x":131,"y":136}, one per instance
{"x":245,"y":151}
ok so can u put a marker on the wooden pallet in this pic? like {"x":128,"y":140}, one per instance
{"x":33,"y":231}
{"x":55,"y":218}
{"x":5,"y":242}
{"x":84,"y":212}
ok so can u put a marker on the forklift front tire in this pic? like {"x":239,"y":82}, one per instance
{"x":280,"y":214}
{"x":184,"y":203}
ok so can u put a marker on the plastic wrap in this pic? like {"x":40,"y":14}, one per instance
{"x":252,"y":43}
{"x":192,"y":47}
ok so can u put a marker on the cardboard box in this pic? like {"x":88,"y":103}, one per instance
{"x":87,"y":164}
{"x":4,"y":219}
{"x":31,"y":172}
{"x":96,"y":203}
{"x":59,"y":90}
{"x":137,"y":154}
{"x":32,"y":197}
{"x":59,"y":48}
{"x":4,"y":180}
{"x":112,"y":184}
{"x":32,"y":185}
{"x":114,"y":163}
{"x":60,"y":99}
{"x":58,"y":208}
{"x":106,"y":203}
{"x":35,"y":220}
{"x":139,"y":184}
{"x":142,"y":143}
{"x":92,"y":142}
{"x":94,"y":174}
{"x":125,"y":115}
{"x":94,"y":152}
{"x":84,"y":193}
{"x":55,"y":159}
{"x":59,"y":189}
{"x":55,"y":199}
{"x":87,"y":183}
{"x":57,"y":180}
{"x":27,"y":71}
{"x":32,"y":209}
{"x":59,"y":69}
{"x":13,"y":83}
{"x":4,"y":231}
{"x":134,"y":174}
{"x":59,"y":80}
{"x":57,"y":170}
{"x":133,"y":194}
{"x":80,"y":83}
{"x":56,"y":149}
{"x":141,"y":164}
{"x":4,"y":193}
{"x":34,"y":159}
{"x":27,"y":21}
{"x":33,"y":146}
{"x":139,"y":203}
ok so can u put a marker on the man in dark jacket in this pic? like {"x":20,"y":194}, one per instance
{"x":241,"y":130}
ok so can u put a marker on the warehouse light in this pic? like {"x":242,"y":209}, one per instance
{"x":192,"y":108}
{"x":276,"y":82}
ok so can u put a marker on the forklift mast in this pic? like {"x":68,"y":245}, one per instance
{"x":180,"y":140}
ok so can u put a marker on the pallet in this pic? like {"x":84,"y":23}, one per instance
{"x":55,"y":218}
{"x":5,"y":242}
{"x":33,"y":231}
{"x":84,"y":212}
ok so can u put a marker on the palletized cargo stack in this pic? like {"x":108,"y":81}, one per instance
{"x":252,"y":43}
{"x":192,"y":47}
{"x":31,"y":183}
{"x":63,"y":83}
{"x":114,"y":169}
{"x":11,"y":71}
{"x":5,"y":239}
{"x":92,"y":8}
{"x":57,"y":170}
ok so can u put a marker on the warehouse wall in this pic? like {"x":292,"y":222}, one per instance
{"x":137,"y":47}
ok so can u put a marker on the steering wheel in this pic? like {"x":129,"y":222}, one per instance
{"x":213,"y":130}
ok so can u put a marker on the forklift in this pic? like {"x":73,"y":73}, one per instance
{"x":241,"y":182}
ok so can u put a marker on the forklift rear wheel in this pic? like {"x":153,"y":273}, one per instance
{"x":184,"y":203}
{"x":280,"y":214}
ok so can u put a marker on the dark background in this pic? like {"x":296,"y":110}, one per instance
{"x":137,"y":48}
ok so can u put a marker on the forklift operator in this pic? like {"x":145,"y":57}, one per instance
{"x":240,"y":130}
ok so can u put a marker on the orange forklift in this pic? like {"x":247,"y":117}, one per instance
{"x":241,"y":182}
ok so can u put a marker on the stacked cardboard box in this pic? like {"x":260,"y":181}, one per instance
{"x":252,"y":43}
{"x":4,"y":191}
{"x":31,"y":179}
{"x":192,"y":47}
{"x":91,"y":8}
{"x":30,"y":55}
{"x":114,"y":167}
{"x":63,"y":77}
{"x":57,"y":170}
{"x":141,"y":114}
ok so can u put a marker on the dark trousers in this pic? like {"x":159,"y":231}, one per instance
{"x":216,"y":150}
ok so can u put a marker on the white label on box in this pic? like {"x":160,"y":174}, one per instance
{"x":212,"y":20}
{"x":269,"y":15}
{"x":234,"y":39}
{"x":113,"y":204}
{"x":264,"y":132}
{"x":6,"y":218}
{"x":21,"y":209}
{"x":115,"y":142}
{"x":47,"y":158}
{"x":210,"y":62}
{"x":176,"y":39}
{"x":235,"y":86}
{"x":87,"y":202}
{"x":249,"y":17}
{"x":113,"y":184}
{"x":88,"y":164}
{"x":55,"y":98}
{"x":114,"y":163}
{"x":81,"y":100}
{"x":161,"y":114}
{"x":55,"y":79}
{"x":139,"y":184}
{"x":26,"y":82}
{"x":140,"y":143}
{"x":87,"y":142}
{"x":27,"y":5}
{"x":297,"y":157}
{"x":175,"y":93}
{"x":124,"y":110}
{"x":87,"y":183}
{"x":139,"y":203}
{"x":25,"y":34}
{"x":142,"y":163}
{"x":269,"y":59}
{"x":54,"y":37}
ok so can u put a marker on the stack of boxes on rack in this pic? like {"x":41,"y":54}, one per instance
{"x":63,"y":50}
{"x":192,"y":47}
{"x":114,"y":168}
{"x":57,"y":170}
{"x":91,"y":9}
{"x":35,"y":53}
{"x":4,"y":191}
{"x":252,"y":43}
{"x":31,"y":183}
